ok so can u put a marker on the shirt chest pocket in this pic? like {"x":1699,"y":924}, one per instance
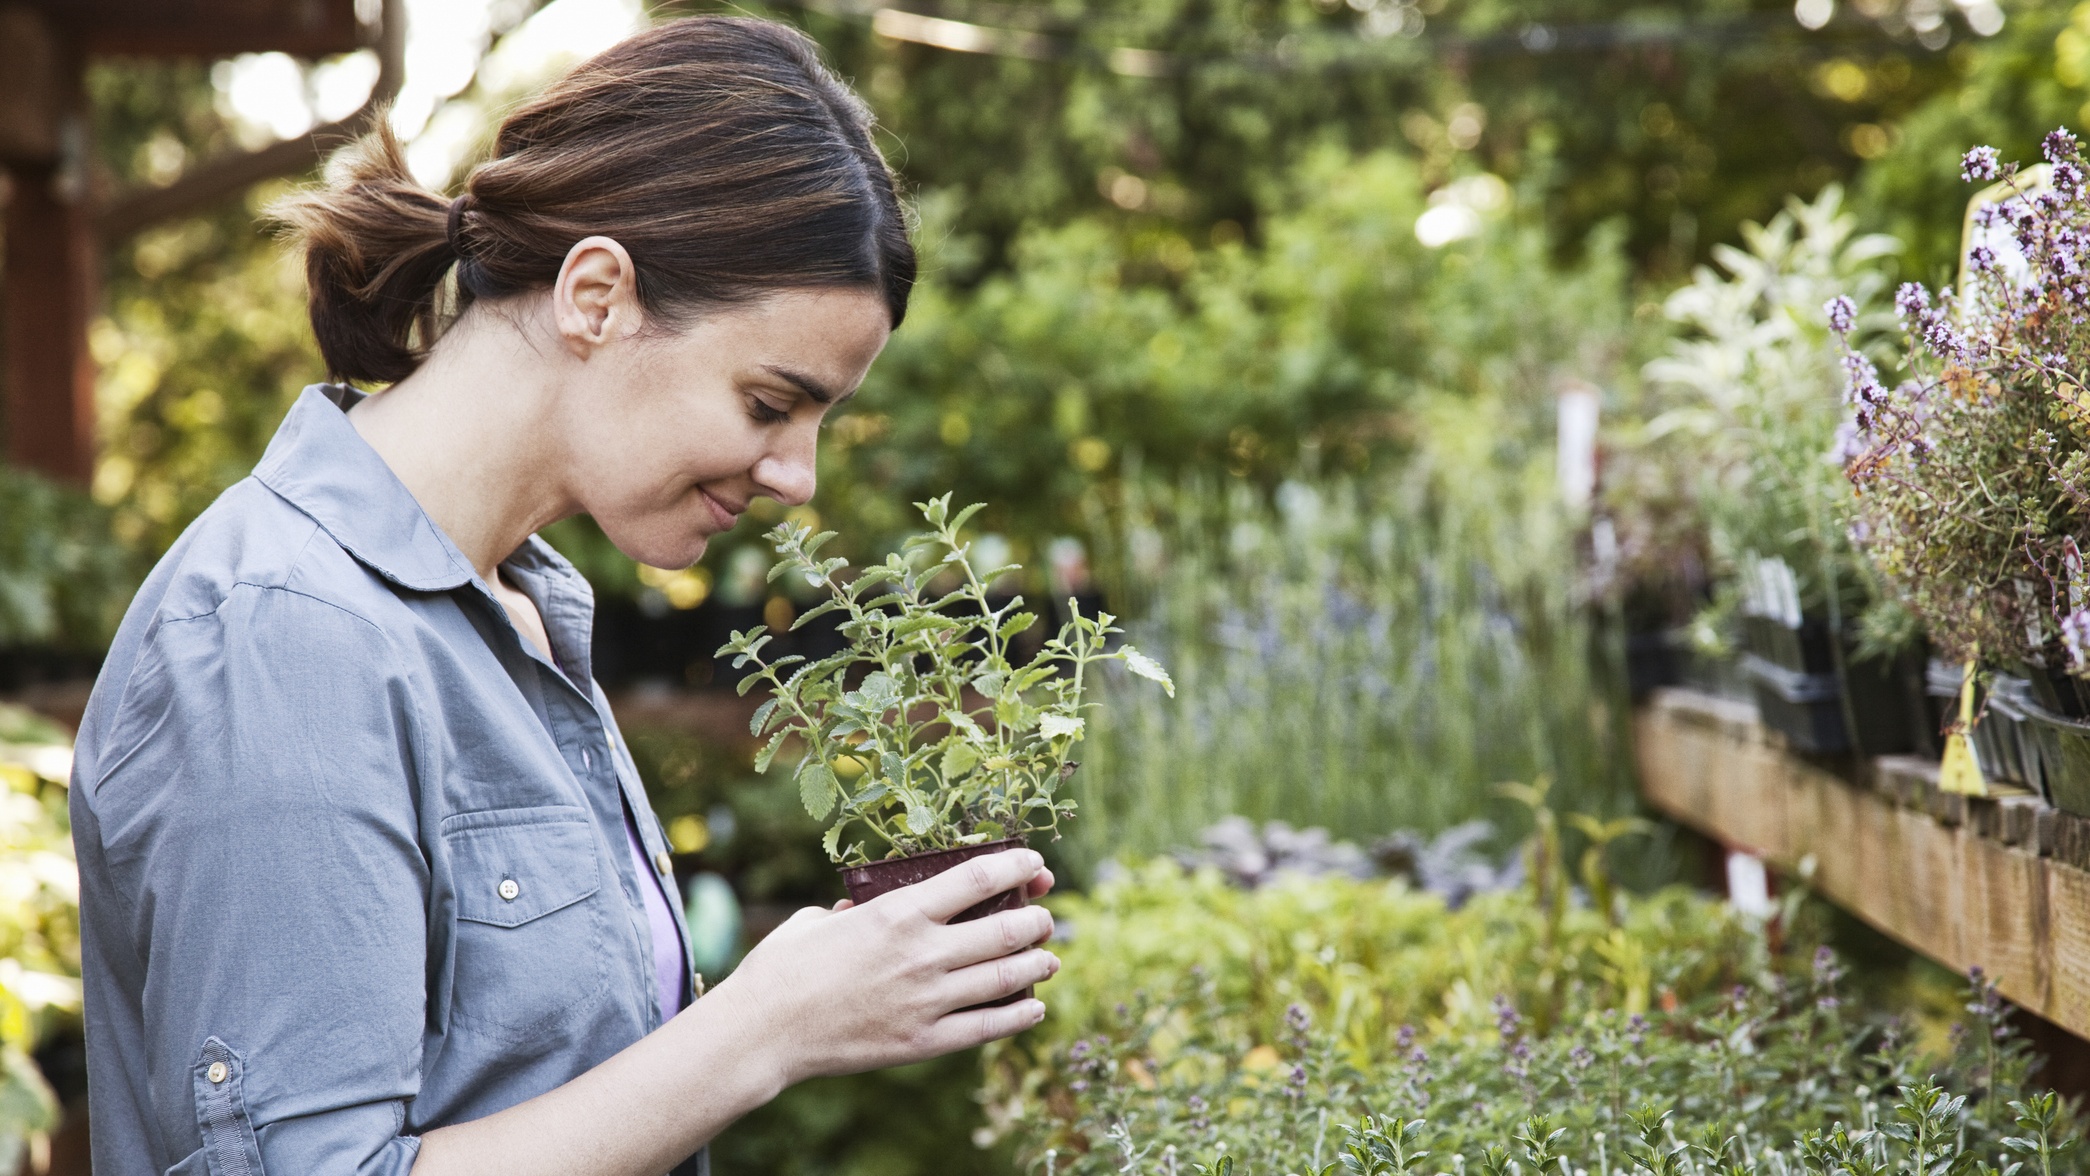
{"x":529,"y":947}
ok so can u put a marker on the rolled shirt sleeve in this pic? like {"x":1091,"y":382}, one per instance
{"x":256,"y":856}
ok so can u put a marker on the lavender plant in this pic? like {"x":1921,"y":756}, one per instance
{"x":923,"y":730}
{"x":1973,"y":484}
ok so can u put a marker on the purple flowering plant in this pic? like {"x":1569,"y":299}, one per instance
{"x":1972,"y":481}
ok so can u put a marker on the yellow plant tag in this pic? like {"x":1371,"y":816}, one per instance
{"x":1960,"y":772}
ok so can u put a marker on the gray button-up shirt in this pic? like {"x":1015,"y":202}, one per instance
{"x":352,"y":851}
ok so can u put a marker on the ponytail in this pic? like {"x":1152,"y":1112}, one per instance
{"x":725,"y":157}
{"x":377,"y":247}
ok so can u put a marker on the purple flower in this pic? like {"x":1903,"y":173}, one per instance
{"x":2075,"y":634}
{"x":2059,"y":145}
{"x":1978,"y":164}
{"x":1981,"y":258}
{"x":1850,"y":442}
{"x":1909,"y":301}
{"x":1944,"y":342}
{"x":1581,"y":1057}
{"x":1506,"y":1018}
{"x":1842,"y":312}
{"x":1862,"y":381}
{"x":2068,"y":180}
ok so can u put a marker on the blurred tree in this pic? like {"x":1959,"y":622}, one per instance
{"x":1686,"y":117}
{"x":2009,"y":94}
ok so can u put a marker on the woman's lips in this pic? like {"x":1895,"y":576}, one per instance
{"x":725,"y":519}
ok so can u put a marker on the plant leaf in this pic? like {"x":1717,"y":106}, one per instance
{"x":830,"y":841}
{"x":817,"y":787}
{"x":920,"y":818}
{"x":1016,"y":624}
{"x":1058,"y":726}
{"x":1146,"y":667}
{"x":761,"y":719}
{"x":769,"y":751}
{"x":958,"y":760}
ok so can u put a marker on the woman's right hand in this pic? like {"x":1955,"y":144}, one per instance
{"x":880,"y":984}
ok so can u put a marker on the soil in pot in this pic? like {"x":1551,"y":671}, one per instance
{"x":868,"y":882}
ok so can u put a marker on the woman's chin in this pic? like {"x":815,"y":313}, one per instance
{"x":670,"y":553}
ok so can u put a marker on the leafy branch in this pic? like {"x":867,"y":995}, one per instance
{"x":923,"y":731}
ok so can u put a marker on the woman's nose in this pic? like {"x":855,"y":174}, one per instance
{"x":788,"y":476}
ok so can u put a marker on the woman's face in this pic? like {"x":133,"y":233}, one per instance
{"x":669,"y":433}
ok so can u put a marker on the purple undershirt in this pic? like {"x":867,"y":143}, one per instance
{"x":667,"y":944}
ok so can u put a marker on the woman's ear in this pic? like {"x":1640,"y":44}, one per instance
{"x":595,"y":299}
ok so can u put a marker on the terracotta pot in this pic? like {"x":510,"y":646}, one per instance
{"x":868,"y":882}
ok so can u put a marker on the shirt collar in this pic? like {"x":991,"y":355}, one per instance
{"x":321,"y":465}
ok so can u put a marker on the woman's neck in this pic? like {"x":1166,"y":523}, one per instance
{"x":469,"y":435}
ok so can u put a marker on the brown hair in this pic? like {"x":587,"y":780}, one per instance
{"x":720,"y":152}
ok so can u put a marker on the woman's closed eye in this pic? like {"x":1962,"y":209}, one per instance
{"x":766,"y":413}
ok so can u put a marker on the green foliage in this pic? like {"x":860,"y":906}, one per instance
{"x":2008,"y":92}
{"x":1109,"y":354}
{"x":39,"y":922}
{"x":917,"y":1120}
{"x":63,"y":580}
{"x":1363,"y":655}
{"x":1684,"y":117}
{"x":1747,"y":402}
{"x":1380,"y":965}
{"x":948,"y":740}
{"x":1767,"y":1079}
{"x":204,"y":341}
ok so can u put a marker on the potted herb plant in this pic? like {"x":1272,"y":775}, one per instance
{"x":1749,"y":402}
{"x":1974,"y":487}
{"x":925,"y":744}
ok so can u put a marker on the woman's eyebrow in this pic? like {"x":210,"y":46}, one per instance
{"x":819,"y":392}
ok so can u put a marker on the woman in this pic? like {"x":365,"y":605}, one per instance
{"x":368,"y":881}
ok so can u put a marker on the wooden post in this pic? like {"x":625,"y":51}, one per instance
{"x":48,"y":290}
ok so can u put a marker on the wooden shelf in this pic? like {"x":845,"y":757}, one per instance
{"x":1999,"y":884}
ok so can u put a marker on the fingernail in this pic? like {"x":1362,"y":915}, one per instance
{"x":1055,"y":963}
{"x":1037,"y":1013}
{"x":1037,"y":860}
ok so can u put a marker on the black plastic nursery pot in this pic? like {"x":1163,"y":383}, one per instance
{"x":869,"y":881}
{"x":2061,"y":745}
{"x":1872,"y":706}
{"x":2004,"y":745}
{"x":2056,"y":692}
{"x":1805,"y":708}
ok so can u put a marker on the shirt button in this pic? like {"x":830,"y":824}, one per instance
{"x":663,"y":863}
{"x":216,"y":1073}
{"x":509,"y":889}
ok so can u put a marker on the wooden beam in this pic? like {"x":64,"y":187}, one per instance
{"x":48,"y":295}
{"x":1999,"y":884}
{"x":208,"y":28}
{"x":216,"y":180}
{"x":48,"y":290}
